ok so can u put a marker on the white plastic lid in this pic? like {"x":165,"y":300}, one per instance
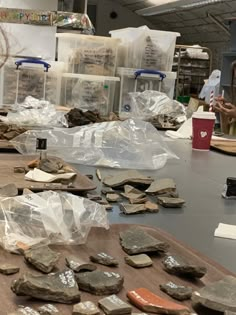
{"x":204,"y":115}
{"x":86,"y":37}
{"x":90,"y":77}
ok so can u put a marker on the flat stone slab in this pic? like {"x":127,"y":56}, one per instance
{"x":8,"y":269}
{"x":113,"y":305}
{"x":85,"y":308}
{"x":132,"y":209}
{"x":113,"y":197}
{"x":58,"y":287}
{"x":139,"y":261}
{"x":9,"y":190}
{"x":48,"y":309}
{"x":104,"y":259}
{"x":219,"y":296}
{"x":127,"y":177}
{"x":136,"y":241}
{"x":149,"y":302}
{"x":177,"y":292}
{"x":168,"y":202}
{"x":42,"y":258}
{"x":161,"y":186}
{"x":25,"y":311}
{"x":177,"y":266}
{"x":99,"y":282}
{"x":78,"y":264}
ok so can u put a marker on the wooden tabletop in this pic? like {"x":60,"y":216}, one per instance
{"x":108,"y":241}
{"x":81,"y":182}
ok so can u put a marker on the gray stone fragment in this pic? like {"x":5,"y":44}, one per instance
{"x":25,"y":311}
{"x":178,"y":292}
{"x":151,"y":207}
{"x":78,"y":264}
{"x":107,"y":190}
{"x":176,"y":265}
{"x":99,"y":282}
{"x":134,"y":195}
{"x":94,"y":197}
{"x":42,"y":258}
{"x":113,"y":305}
{"x":85,"y":308}
{"x":50,"y":165}
{"x":137,"y":241}
{"x":8,"y":269}
{"x":138,"y":261}
{"x":112,"y":197}
{"x":161,"y":186}
{"x":48,"y":309}
{"x":19,"y":169}
{"x":58,"y":287}
{"x":131,"y":177}
{"x":9,"y":190}
{"x":134,"y":201}
{"x":171,"y":194}
{"x":132,"y":209}
{"x":104,"y":259}
{"x":219,"y":296}
{"x":168,"y":202}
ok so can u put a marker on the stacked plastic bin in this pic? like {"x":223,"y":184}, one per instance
{"x":89,"y":82}
{"x":145,"y":59}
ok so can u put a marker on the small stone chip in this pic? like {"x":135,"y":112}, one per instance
{"x":112,"y":197}
{"x":19,"y":169}
{"x":85,"y":308}
{"x":178,"y":292}
{"x":78,"y":264}
{"x":48,"y":309}
{"x":24,"y":311}
{"x":168,"y":202}
{"x":104,"y":259}
{"x":138,"y":261}
{"x":8,"y":269}
{"x":151,"y":207}
{"x":113,"y":305}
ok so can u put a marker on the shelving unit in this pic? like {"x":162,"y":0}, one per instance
{"x":191,"y":72}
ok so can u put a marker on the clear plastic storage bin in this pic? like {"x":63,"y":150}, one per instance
{"x":146,"y":80}
{"x":89,"y":92}
{"x":143,"y":48}
{"x":31,"y":79}
{"x":84,"y":54}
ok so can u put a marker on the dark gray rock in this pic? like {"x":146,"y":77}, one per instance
{"x":8,"y":269}
{"x":176,"y":265}
{"x":50,"y":165}
{"x":219,"y":296}
{"x":59,"y":287}
{"x":178,"y":292}
{"x":139,"y":261}
{"x":132,"y":209}
{"x":137,"y":241}
{"x":161,"y":186}
{"x":48,"y":309}
{"x":168,"y":202}
{"x":113,"y":305}
{"x":99,"y":282}
{"x":42,"y":258}
{"x":78,"y":264}
{"x":85,"y":308}
{"x":104,"y":259}
{"x":127,"y":177}
{"x":9,"y":190}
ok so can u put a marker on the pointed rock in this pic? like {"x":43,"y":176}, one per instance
{"x":99,"y":282}
{"x":149,"y":302}
{"x":58,"y":287}
{"x":139,"y":261}
{"x":136,"y":241}
{"x":113,"y":305}
{"x":42,"y":258}
{"x":178,"y":292}
{"x":85,"y":308}
{"x":161,"y":186}
{"x":104,"y":259}
{"x":177,"y":266}
{"x":78,"y":264}
{"x":219,"y":296}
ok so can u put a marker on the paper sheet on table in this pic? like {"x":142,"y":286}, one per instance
{"x":226,"y":231}
{"x":39,"y":176}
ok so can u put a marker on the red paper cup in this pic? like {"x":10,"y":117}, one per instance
{"x":203,"y":125}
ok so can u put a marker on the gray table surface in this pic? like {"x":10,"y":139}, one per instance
{"x":200,"y":177}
